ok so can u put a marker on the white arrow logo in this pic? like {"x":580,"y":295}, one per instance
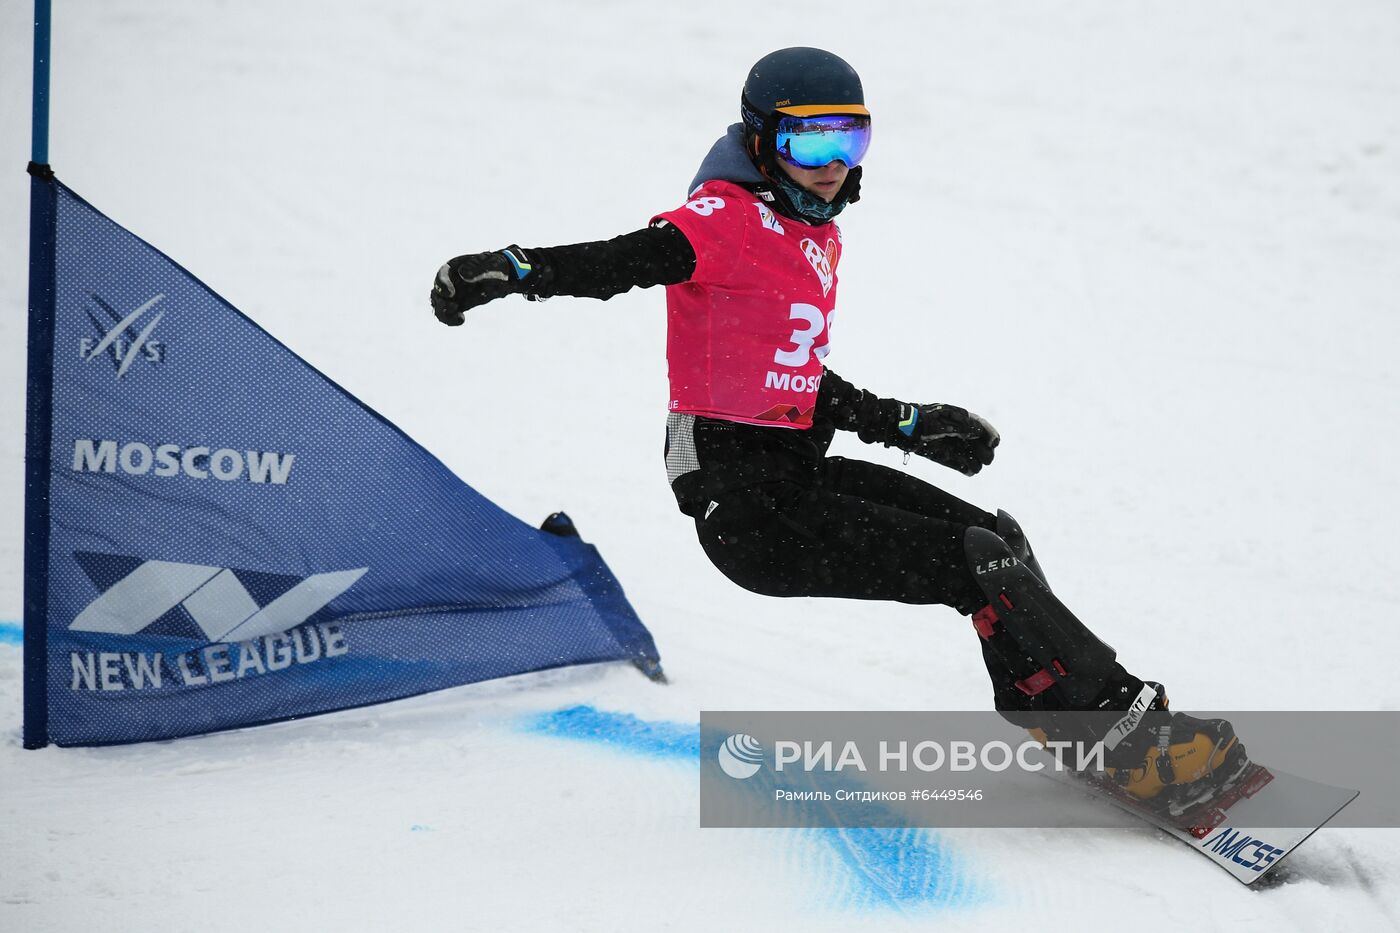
{"x":214,"y":597}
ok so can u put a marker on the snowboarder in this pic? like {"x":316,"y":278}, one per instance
{"x":750,"y":263}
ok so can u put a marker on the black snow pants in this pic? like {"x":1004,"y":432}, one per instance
{"x":858,"y":531}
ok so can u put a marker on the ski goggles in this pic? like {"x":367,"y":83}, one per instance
{"x":820,"y":139}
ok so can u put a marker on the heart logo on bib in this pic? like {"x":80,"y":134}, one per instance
{"x":823,"y":261}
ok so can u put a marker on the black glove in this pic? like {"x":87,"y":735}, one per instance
{"x":468,"y":281}
{"x":948,"y":435}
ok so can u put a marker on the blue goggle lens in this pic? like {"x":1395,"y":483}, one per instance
{"x":812,"y":142}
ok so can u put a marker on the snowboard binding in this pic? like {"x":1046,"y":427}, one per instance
{"x":1191,"y":765}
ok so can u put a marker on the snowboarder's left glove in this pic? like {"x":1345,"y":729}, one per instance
{"x":947,"y":435}
{"x":468,"y":281}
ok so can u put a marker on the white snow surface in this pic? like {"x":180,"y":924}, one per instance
{"x":1157,"y":244}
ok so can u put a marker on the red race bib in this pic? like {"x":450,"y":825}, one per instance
{"x":746,"y":336}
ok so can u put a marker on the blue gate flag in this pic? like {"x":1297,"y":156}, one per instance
{"x":234,"y":539}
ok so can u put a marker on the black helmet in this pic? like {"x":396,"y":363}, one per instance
{"x":798,"y":82}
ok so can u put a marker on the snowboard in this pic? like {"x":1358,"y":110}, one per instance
{"x":1236,"y":831}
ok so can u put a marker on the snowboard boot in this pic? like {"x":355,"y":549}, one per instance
{"x":1170,"y":762}
{"x":1180,"y":763}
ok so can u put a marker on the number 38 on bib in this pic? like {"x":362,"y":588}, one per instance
{"x":810,"y":340}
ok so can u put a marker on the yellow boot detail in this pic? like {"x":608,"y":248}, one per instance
{"x":1190,"y":761}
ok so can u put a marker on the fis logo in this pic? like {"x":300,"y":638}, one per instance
{"x":823,"y":261}
{"x":1243,"y":849}
{"x":124,"y":339}
{"x":770,"y":220}
{"x":216,"y":604}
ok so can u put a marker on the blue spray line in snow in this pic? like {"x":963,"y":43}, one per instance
{"x":898,"y":868}
{"x":11,"y":633}
{"x":621,"y":731}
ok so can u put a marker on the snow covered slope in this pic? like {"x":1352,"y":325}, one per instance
{"x":1155,"y":244}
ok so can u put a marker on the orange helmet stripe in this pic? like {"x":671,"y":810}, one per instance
{"x":812,"y":110}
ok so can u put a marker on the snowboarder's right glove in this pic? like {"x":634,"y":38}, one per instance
{"x":948,"y":435}
{"x":468,"y":281}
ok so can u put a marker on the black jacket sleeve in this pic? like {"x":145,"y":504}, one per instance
{"x":875,"y":420}
{"x":655,"y":255}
